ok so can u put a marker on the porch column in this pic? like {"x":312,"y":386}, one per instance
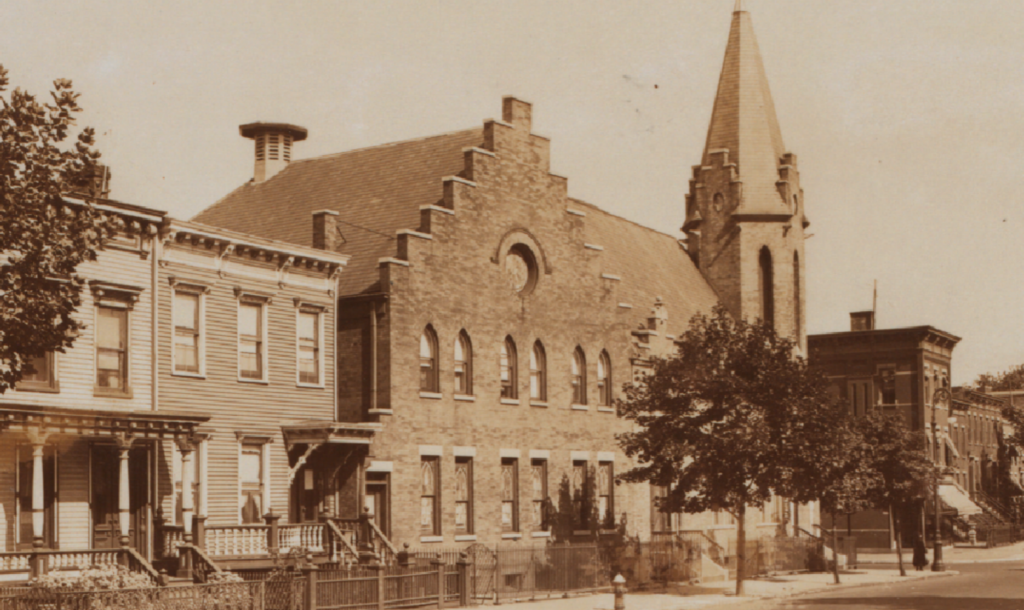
{"x":187,"y":447}
{"x":124,"y":445}
{"x":37,"y":439}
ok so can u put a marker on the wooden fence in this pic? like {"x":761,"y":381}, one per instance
{"x":223,"y":596}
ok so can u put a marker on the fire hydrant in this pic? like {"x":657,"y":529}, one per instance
{"x":973,"y":535}
{"x":620,"y":592}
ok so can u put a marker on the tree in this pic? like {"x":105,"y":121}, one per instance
{"x":43,"y":239}
{"x":1011,"y":379}
{"x":719,"y":423}
{"x":904,"y":475}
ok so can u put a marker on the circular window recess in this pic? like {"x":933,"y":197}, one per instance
{"x":521,"y":269}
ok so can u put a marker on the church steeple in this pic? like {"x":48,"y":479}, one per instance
{"x":744,"y":214}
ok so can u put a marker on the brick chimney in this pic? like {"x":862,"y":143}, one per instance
{"x":862,"y":320}
{"x":326,"y":234}
{"x":273,"y":146}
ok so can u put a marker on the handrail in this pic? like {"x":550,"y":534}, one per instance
{"x":339,"y":535}
{"x":380,"y":535}
{"x":200,"y":558}
{"x":712,"y":541}
{"x":812,"y":535}
{"x":135,"y":559}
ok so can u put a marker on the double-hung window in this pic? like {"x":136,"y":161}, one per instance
{"x":508,"y":369}
{"x":251,"y":480}
{"x":430,"y":496}
{"x":509,"y":495}
{"x":605,"y":495}
{"x":429,"y":379}
{"x":579,"y":377}
{"x":579,"y":489}
{"x":464,"y":495}
{"x":40,"y":375}
{"x":111,"y":349}
{"x":463,"y":365}
{"x":538,"y":373}
{"x":252,"y":357}
{"x":187,"y":333}
{"x":539,"y":490}
{"x":309,"y":352}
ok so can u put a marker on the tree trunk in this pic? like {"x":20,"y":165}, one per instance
{"x":899,"y":540}
{"x":741,"y":547}
{"x":835,"y":549}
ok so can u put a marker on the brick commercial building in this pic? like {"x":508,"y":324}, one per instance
{"x":487,"y":320}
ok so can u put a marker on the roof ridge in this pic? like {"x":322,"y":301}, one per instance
{"x":387,"y":144}
{"x":612,"y":214}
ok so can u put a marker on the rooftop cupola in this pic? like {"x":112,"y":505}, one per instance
{"x":273,"y":146}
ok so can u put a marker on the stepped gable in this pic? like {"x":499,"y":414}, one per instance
{"x":651,"y":264}
{"x":376,"y":191}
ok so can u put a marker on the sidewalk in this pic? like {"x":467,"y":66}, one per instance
{"x":719,"y":595}
{"x":952,"y":555}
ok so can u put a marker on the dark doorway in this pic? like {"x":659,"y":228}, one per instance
{"x":104,"y":479}
{"x":307,"y":495}
{"x":376,"y":500}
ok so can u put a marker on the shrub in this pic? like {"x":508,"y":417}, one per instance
{"x":93,"y":578}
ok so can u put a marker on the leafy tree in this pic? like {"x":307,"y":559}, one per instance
{"x":1011,"y":379}
{"x":904,"y":476}
{"x":720,"y":423}
{"x":42,"y":238}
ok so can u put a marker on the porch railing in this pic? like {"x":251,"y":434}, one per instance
{"x":307,"y":535}
{"x":237,"y":540}
{"x":42,"y":561}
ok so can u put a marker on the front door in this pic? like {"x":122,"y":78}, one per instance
{"x":105,"y":482}
{"x":307,"y":495}
{"x":377,"y":500}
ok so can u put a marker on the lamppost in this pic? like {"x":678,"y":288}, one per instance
{"x":940,"y":394}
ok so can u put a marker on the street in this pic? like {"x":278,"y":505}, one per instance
{"x":979,"y":586}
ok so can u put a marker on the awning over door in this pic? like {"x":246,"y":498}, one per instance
{"x":957,"y":499}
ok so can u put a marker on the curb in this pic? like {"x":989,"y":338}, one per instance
{"x":857,"y":585}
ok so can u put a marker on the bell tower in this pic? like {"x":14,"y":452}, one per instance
{"x":745,"y":217}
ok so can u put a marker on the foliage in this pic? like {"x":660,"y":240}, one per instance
{"x":1010,"y":379}
{"x":93,"y":578}
{"x":733,"y":419}
{"x":220,"y":578}
{"x":42,"y":238}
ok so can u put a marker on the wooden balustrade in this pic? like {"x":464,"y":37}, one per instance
{"x":172,"y":538}
{"x":15,"y":562}
{"x":236,"y":540}
{"x":307,"y":535}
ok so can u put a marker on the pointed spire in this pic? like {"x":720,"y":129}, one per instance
{"x":744,"y":121}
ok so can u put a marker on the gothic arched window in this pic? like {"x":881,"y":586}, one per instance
{"x":538,"y":373}
{"x":508,"y":369}
{"x":604,"y":380}
{"x":463,"y":364}
{"x":766,"y":284}
{"x":428,"y":361}
{"x":579,"y":377}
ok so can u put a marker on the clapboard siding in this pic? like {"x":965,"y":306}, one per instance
{"x":237,"y":406}
{"x":76,"y":370}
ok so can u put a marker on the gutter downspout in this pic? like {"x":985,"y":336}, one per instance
{"x":155,"y":309}
{"x":373,"y":356}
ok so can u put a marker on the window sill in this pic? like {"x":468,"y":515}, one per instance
{"x":310,"y":386}
{"x":431,"y":395}
{"x":41,"y":389}
{"x":539,"y":403}
{"x":510,"y":401}
{"x":511,"y":536}
{"x":99,"y":392}
{"x":465,"y":538}
{"x":540,"y":535}
{"x":576,"y":407}
{"x":465,"y":397}
{"x":431,"y":538}
{"x":256,"y":381}
{"x":606,"y":409}
{"x":187,"y":374}
{"x":381,"y":411}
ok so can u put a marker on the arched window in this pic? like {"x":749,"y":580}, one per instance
{"x":538,"y":373}
{"x":508,"y":369}
{"x":766,"y":285}
{"x":604,"y":380}
{"x":463,"y":364}
{"x":428,"y":361}
{"x":797,"y":313}
{"x":579,"y":377}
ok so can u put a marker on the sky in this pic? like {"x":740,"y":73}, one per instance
{"x":906,"y":116}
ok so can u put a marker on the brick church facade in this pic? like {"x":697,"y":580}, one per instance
{"x":487,"y":321}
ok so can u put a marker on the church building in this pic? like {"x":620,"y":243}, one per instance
{"x":487,"y":320}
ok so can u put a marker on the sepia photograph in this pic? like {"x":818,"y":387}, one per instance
{"x":575,"y":305}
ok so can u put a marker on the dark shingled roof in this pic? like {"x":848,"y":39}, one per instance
{"x":379,"y":190}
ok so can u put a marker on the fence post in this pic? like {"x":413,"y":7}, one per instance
{"x":439,"y":566}
{"x":309,"y":571}
{"x":381,"y":584}
{"x":463,"y":579}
